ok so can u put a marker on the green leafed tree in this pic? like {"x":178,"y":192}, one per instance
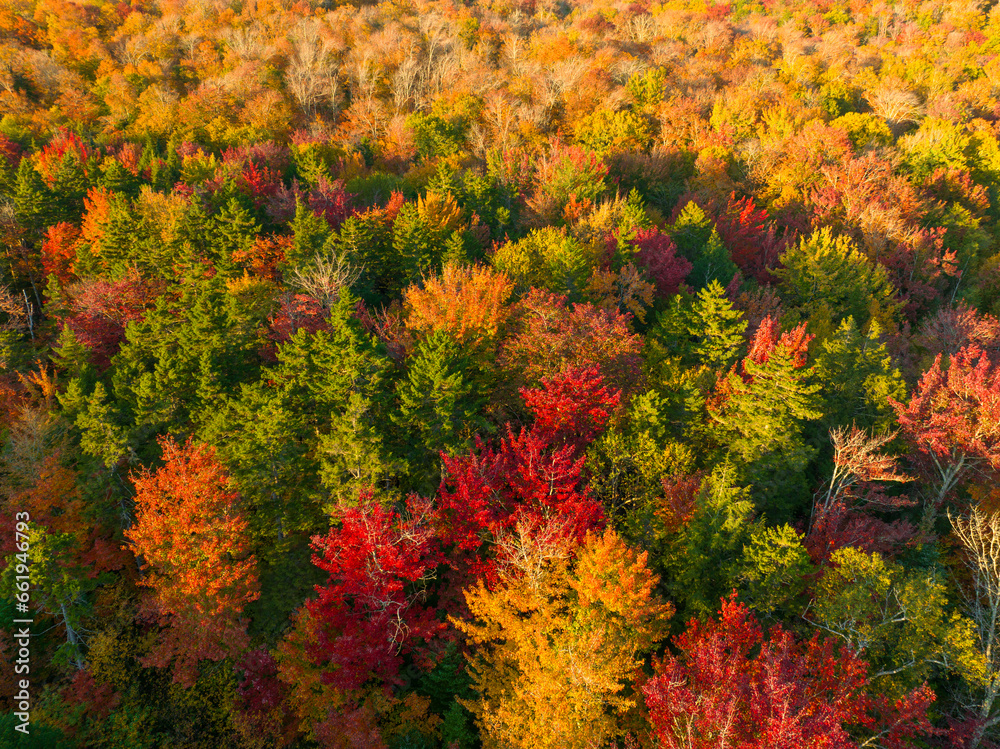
{"x":900,"y":619}
{"x":775,"y":568}
{"x":706,"y":532}
{"x":548,"y":259}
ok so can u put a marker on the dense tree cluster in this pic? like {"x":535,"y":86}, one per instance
{"x":510,"y":373}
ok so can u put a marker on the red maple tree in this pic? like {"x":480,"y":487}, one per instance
{"x":552,"y":335}
{"x":102,"y":308}
{"x":657,"y":253}
{"x":750,"y":236}
{"x":373,"y":610}
{"x":536,"y":476}
{"x":731,"y":686}
{"x":573,"y":407}
{"x":952,"y":423}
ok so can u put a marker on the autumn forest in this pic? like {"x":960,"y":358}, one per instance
{"x":501,"y":374}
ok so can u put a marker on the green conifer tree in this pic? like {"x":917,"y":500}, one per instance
{"x":858,"y":379}
{"x":34,"y":204}
{"x":232,"y":229}
{"x":438,"y":407}
{"x":116,"y":178}
{"x":702,"y":331}
{"x":698,"y":240}
{"x":309,"y":233}
{"x":337,"y":378}
{"x":70,"y":356}
{"x":760,"y":426}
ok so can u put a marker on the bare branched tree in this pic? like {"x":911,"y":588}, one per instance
{"x":312,"y":75}
{"x":896,"y":105}
{"x":324,"y":278}
{"x":526,"y":552}
{"x":641,"y":28}
{"x":979,"y":533}
{"x":404,"y":82}
{"x":857,"y":457}
{"x":245,"y":43}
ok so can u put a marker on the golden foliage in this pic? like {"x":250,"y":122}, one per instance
{"x":627,"y":290}
{"x":440,"y":212}
{"x":558,"y":642}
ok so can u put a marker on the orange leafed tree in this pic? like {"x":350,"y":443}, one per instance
{"x":468,"y":302}
{"x":193,"y":542}
{"x":97,"y":207}
{"x":59,"y":250}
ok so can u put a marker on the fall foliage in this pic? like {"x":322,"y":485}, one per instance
{"x":421,"y":375}
{"x":191,"y":537}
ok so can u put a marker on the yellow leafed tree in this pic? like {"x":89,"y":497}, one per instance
{"x":558,"y":641}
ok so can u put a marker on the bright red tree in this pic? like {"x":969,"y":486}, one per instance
{"x":373,"y":610}
{"x":573,"y":407}
{"x":768,"y":337}
{"x":732,"y":687}
{"x":526,"y":482}
{"x":536,"y":477}
{"x":193,"y":542}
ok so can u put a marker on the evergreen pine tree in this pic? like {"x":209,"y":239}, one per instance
{"x":34,"y":204}
{"x":233,"y":229}
{"x":760,"y":425}
{"x":116,"y":178}
{"x":438,"y":407}
{"x":337,"y":375}
{"x":703,"y":331}
{"x":69,"y":355}
{"x":858,"y":379}
{"x":699,"y":242}
{"x":309,"y":231}
{"x":717,"y":327}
